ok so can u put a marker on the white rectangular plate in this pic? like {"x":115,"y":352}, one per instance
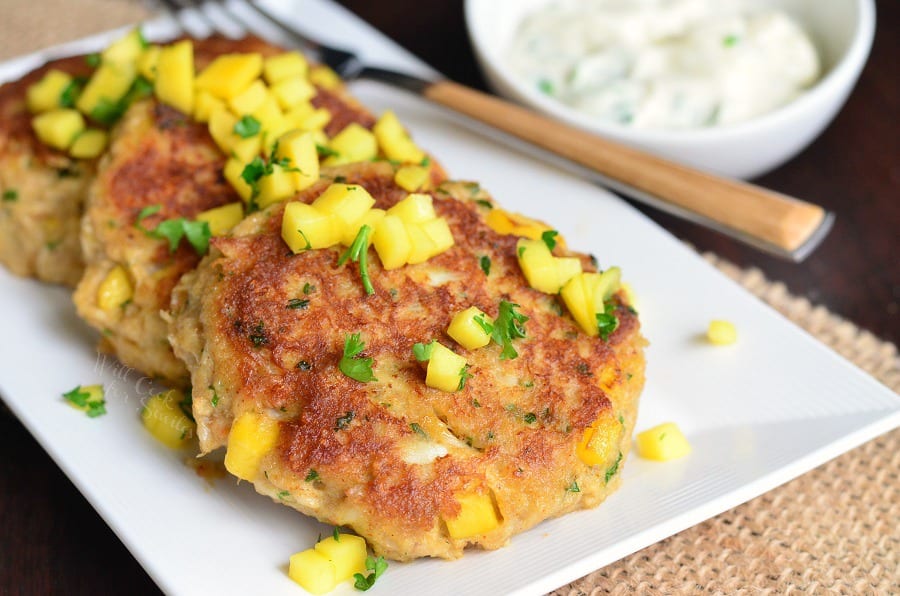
{"x":757,"y":413}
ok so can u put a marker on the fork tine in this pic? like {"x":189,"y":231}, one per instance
{"x":182,"y":14}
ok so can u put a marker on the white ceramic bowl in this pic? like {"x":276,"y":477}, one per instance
{"x":842,"y":31}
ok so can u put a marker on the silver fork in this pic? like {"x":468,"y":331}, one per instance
{"x":770,"y":221}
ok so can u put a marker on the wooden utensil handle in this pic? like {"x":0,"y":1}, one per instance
{"x":762,"y":214}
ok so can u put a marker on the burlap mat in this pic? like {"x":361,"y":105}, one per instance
{"x":833,"y":530}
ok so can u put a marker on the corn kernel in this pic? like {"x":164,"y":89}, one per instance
{"x":467,"y":332}
{"x":115,"y":289}
{"x":662,"y":442}
{"x":163,"y":417}
{"x":721,"y":333}
{"x":252,"y":436}
{"x":477,"y":516}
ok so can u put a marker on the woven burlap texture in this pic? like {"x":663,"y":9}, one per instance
{"x":833,"y":530}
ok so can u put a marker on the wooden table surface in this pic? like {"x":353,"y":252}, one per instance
{"x":53,"y":541}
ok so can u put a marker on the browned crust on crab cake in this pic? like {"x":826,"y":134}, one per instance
{"x":512,"y":430}
{"x":159,"y":156}
{"x":43,"y":189}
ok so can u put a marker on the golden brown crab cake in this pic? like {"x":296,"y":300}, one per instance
{"x":406,"y":466}
{"x":42,"y":189}
{"x":160,"y":157}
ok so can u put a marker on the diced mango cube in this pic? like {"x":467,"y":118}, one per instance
{"x":222,"y":219}
{"x":163,"y":417}
{"x":415,"y":208}
{"x":575,"y":296}
{"x":438,"y":231}
{"x":293,"y":91}
{"x":445,"y":369}
{"x":721,"y":333}
{"x":567,"y":268}
{"x":506,"y":222}
{"x":324,"y":77}
{"x":347,"y":554}
{"x":423,"y":247}
{"x":394,"y":141}
{"x":283,"y":66}
{"x":271,"y":121}
{"x":392,"y":242}
{"x":58,"y":128}
{"x":305,"y":227}
{"x":662,"y":442}
{"x":46,"y":94}
{"x":175,"y":76}
{"x":370,"y":218}
{"x":413,"y":178}
{"x":147,"y":62}
{"x":467,"y":332}
{"x":221,"y":129}
{"x":477,"y":516}
{"x":89,"y":144}
{"x":539,"y":265}
{"x":299,"y":148}
{"x":252,"y":436}
{"x":307,"y":117}
{"x":275,"y":187}
{"x":245,"y":149}
{"x":599,"y":445}
{"x":603,"y":286}
{"x":313,"y":571}
{"x":205,"y":104}
{"x":115,"y":289}
{"x":233,"y":170}
{"x":250,"y":99}
{"x":125,"y":50}
{"x":353,"y":144}
{"x":109,"y":84}
{"x":230,"y":74}
{"x":348,"y":202}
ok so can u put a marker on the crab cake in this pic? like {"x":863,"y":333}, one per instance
{"x":415,"y":470}
{"x":42,"y":189}
{"x":161,"y":160}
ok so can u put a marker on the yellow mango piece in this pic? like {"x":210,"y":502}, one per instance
{"x":415,"y":208}
{"x":46,"y":94}
{"x":603,"y":286}
{"x":252,"y":436}
{"x":324,"y":77}
{"x":313,"y":571}
{"x":89,"y":144}
{"x":575,"y":296}
{"x":109,"y":84}
{"x":221,"y":129}
{"x":370,"y":218}
{"x":477,"y":516}
{"x":391,"y":242}
{"x":275,"y":187}
{"x":230,"y":74}
{"x":299,"y":148}
{"x":353,"y":144}
{"x":445,"y":369}
{"x":438,"y":231}
{"x":662,"y":442}
{"x":233,"y":170}
{"x":284,"y":66}
{"x":506,"y":222}
{"x":539,"y":265}
{"x":58,"y":128}
{"x":293,"y":91}
{"x":246,"y":149}
{"x":599,"y":445}
{"x":307,"y":117}
{"x":348,"y":554}
{"x":175,"y":76}
{"x":567,"y":268}
{"x":423,"y":247}
{"x":147,"y":61}
{"x":222,"y":219}
{"x":205,"y":103}
{"x":125,"y":50}
{"x":721,"y":333}
{"x":163,"y":417}
{"x":348,"y":202}
{"x":271,"y":121}
{"x":250,"y":99}
{"x":115,"y":289}
{"x":467,"y":332}
{"x":394,"y":141}
{"x":413,"y":178}
{"x":305,"y":227}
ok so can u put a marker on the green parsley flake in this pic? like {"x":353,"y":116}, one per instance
{"x":247,"y":127}
{"x":549,"y":238}
{"x":545,"y":87}
{"x":258,"y":336}
{"x":607,"y":322}
{"x":325,"y":151}
{"x":730,"y":41}
{"x":358,"y":369}
{"x":343,"y":423}
{"x":508,"y":325}
{"x":488,"y":328}
{"x":10,"y":195}
{"x":70,"y":93}
{"x":573,"y":488}
{"x":423,"y":352}
{"x":485,"y":263}
{"x":358,"y":253}
{"x":377,"y":567}
{"x":92,"y":60}
{"x":530,"y":418}
{"x":613,"y":469}
{"x":215,"y":397}
{"x":485,"y":203}
{"x":312,"y":476}
{"x":197,"y":233}
{"x":464,"y":375}
{"x":298,"y":303}
{"x":90,"y":400}
{"x":308,"y":288}
{"x":418,"y":430}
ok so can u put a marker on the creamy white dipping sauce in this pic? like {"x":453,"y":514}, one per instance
{"x":671,"y":64}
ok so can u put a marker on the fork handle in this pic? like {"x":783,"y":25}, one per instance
{"x":783,"y":225}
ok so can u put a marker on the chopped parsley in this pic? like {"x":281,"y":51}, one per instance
{"x":508,"y":325}
{"x":418,"y":430}
{"x":475,"y":403}
{"x":607,"y":322}
{"x":422,"y":352}
{"x":173,"y":230}
{"x":358,"y":253}
{"x":336,"y":535}
{"x":70,"y":93}
{"x":215,"y":397}
{"x":10,"y":195}
{"x":485,"y":203}
{"x":376,"y":566}
{"x":298,"y":303}
{"x":92,"y":60}
{"x":545,"y":87}
{"x":573,"y":488}
{"x":106,"y":112}
{"x":521,"y":251}
{"x":92,"y":405}
{"x":464,"y":375}
{"x":613,"y":469}
{"x":187,"y":406}
{"x":549,"y":238}
{"x":473,"y":187}
{"x":283,"y":494}
{"x":247,"y":127}
{"x":260,"y":167}
{"x":358,"y":369}
{"x":325,"y":151}
{"x":343,"y":423}
{"x":488,"y":328}
{"x":258,"y":335}
{"x":308,"y":288}
{"x":730,"y":41}
{"x":485,"y":263}
{"x":311,"y":476}
{"x":530,"y":418}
